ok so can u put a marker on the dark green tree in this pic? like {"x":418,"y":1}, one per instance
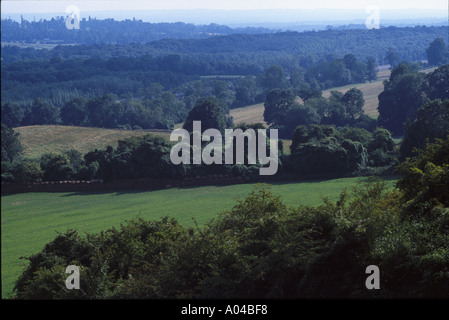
{"x":274,"y":77}
{"x":211,"y":114}
{"x":10,"y":142}
{"x":435,"y":85}
{"x":371,"y":69}
{"x":343,"y":109}
{"x":431,"y":123}
{"x":425,"y":183}
{"x":401,"y":97}
{"x":153,"y":91}
{"x":381,"y":149}
{"x":43,"y":112}
{"x":246,"y":91}
{"x":381,"y":140}
{"x":296,"y":115}
{"x":392,"y":57}
{"x":437,"y":52}
{"x":336,"y":73}
{"x":74,"y":112}
{"x":357,"y":68}
{"x":12,"y":114}
{"x":55,"y":167}
{"x":318,"y":150}
{"x":308,"y":93}
{"x":104,"y":111}
{"x":297,"y":77}
{"x":276,"y":104}
{"x":353,"y":102}
{"x":27,"y":170}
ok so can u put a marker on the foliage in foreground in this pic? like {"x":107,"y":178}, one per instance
{"x":263,"y":249}
{"x":259,"y":249}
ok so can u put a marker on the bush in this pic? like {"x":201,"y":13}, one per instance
{"x":258,"y":249}
{"x":318,"y":150}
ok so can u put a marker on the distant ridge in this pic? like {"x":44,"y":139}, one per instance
{"x":283,"y":19}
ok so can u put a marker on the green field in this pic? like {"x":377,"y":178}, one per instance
{"x":29,"y":221}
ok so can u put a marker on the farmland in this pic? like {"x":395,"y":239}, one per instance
{"x":370,"y":90}
{"x":31,"y":220}
{"x":40,"y":139}
{"x":37,"y":140}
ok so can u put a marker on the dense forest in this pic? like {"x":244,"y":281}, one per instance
{"x":109,"y":31}
{"x":239,"y":69}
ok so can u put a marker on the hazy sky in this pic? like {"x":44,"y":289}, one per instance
{"x":38,"y":6}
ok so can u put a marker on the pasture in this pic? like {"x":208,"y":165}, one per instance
{"x":31,"y":220}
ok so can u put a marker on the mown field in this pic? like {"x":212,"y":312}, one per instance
{"x":31,"y":220}
{"x":370,"y":90}
{"x":254,"y":113}
{"x":37,"y":140}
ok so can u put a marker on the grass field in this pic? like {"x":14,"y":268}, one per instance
{"x":30,"y":220}
{"x":37,"y":140}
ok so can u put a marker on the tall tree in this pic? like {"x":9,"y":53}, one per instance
{"x":401,"y":97}
{"x":74,"y":112}
{"x":103,"y":111}
{"x":43,"y":112}
{"x":353,"y":101}
{"x":424,"y":183}
{"x":246,"y":91}
{"x":436,"y":83}
{"x":437,"y":53}
{"x":211,"y":114}
{"x":371,"y":69}
{"x":431,"y":123}
{"x":276,"y":104}
{"x":274,"y":77}
{"x":11,"y":146}
{"x":12,"y":114}
{"x":392,"y":57}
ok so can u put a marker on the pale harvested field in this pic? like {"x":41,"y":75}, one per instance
{"x":371,"y":91}
{"x":254,"y":113}
{"x":37,"y":140}
{"x":249,"y":114}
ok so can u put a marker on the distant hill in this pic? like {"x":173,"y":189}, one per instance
{"x":134,"y":38}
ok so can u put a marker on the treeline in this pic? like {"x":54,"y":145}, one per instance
{"x":409,"y":42}
{"x":109,"y":31}
{"x":161,"y":112}
{"x":263,"y":249}
{"x":404,"y":93}
{"x":328,"y":137}
{"x":58,"y":82}
{"x":239,"y":79}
